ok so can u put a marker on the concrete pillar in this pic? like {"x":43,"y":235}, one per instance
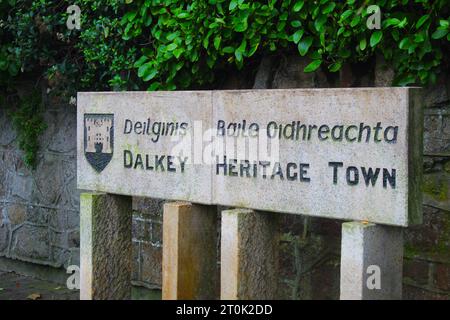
{"x":249,"y":255}
{"x":371,"y":261}
{"x":190,"y":260}
{"x":105,"y":247}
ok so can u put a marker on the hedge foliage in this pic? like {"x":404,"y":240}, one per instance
{"x":174,"y":44}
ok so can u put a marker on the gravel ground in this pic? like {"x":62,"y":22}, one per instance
{"x":17,"y":287}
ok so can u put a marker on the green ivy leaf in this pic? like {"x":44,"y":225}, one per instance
{"x":313,"y":66}
{"x":328,"y":8}
{"x":297,"y":36}
{"x":183,"y":15}
{"x":406,"y":80}
{"x":422,"y":20}
{"x":172,"y":36}
{"x":444,"y":23}
{"x":439,"y":33}
{"x":362,"y":44}
{"x":241,"y":26}
{"x":298,"y":6}
{"x":150,"y":75}
{"x":296,"y":24}
{"x":319,"y":23}
{"x":154,"y":86}
{"x":375,"y":38}
{"x":404,"y":44}
{"x":145,"y":69}
{"x":335,"y":67}
{"x":355,"y":21}
{"x":238,"y":55}
{"x":217,"y":41}
{"x":304,"y":45}
{"x":177,"y":53}
{"x":172,"y":47}
{"x":346,"y":14}
{"x":228,"y":50}
{"x":391,"y":22}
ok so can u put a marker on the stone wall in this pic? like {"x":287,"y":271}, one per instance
{"x":39,"y":210}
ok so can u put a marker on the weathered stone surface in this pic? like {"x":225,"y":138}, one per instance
{"x":384,"y":74}
{"x":309,"y":258}
{"x":249,"y":255}
{"x":191,"y":183}
{"x":437,"y":133}
{"x":59,"y":256}
{"x":151,"y":264}
{"x":141,"y":230}
{"x":438,"y":94}
{"x":37,"y":215}
{"x":73,"y":240}
{"x":264,"y":74}
{"x":417,"y":270}
{"x":436,"y":188}
{"x":442,"y":276}
{"x":365,"y":245}
{"x":21,"y":186}
{"x":17,"y":213}
{"x":431,"y":240}
{"x":74,"y":258}
{"x":4,"y":233}
{"x":70,"y":195}
{"x":73,"y":219}
{"x":106,"y":249}
{"x":48,"y":180}
{"x":31,"y":243}
{"x":394,"y":150}
{"x":58,"y":238}
{"x":63,"y":139}
{"x":8,"y":135}
{"x":136,"y":263}
{"x":189,"y":265}
{"x":422,"y":293}
{"x":290,"y":74}
{"x":321,"y":194}
{"x":3,"y":176}
{"x":148,"y":206}
{"x":156,"y":234}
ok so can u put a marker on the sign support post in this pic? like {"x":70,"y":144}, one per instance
{"x":189,"y":263}
{"x":371,"y":262}
{"x":105,"y":248}
{"x":249,"y":255}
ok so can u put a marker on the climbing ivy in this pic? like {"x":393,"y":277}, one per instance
{"x":175,"y":44}
{"x":28,"y":122}
{"x":191,"y":39}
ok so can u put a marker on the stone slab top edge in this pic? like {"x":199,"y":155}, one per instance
{"x":249,"y":90}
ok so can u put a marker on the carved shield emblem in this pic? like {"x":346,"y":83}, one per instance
{"x":98,"y":139}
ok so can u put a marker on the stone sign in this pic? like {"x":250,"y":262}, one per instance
{"x":349,"y":154}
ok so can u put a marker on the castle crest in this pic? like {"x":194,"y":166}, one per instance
{"x":98,"y":134}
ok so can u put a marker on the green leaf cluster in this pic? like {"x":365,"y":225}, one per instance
{"x":28,"y":122}
{"x":176,"y":44}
